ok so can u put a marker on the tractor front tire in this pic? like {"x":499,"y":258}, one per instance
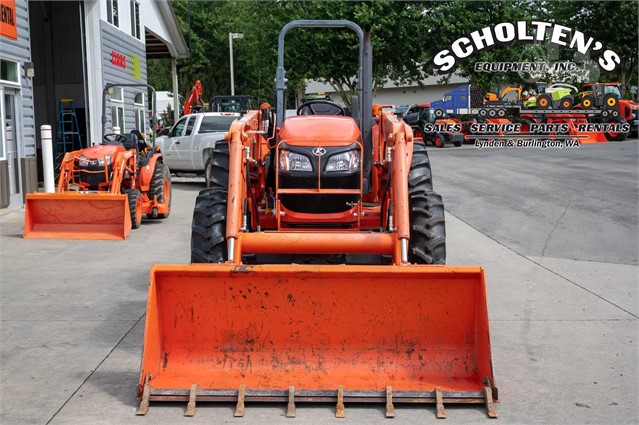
{"x":427,"y":228}
{"x":160,"y":188}
{"x":438,"y":141}
{"x":217,"y":171}
{"x":613,"y":136}
{"x":544,"y":101}
{"x":134,"y":197}
{"x":420,"y":175}
{"x":208,"y":230}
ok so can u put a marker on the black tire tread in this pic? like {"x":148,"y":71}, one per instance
{"x":156,"y":187}
{"x":420,"y":175}
{"x":132,"y":198}
{"x":427,"y":229}
{"x":220,"y":159}
{"x":208,"y":229}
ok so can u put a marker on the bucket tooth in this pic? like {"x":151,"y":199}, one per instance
{"x":339,"y":408}
{"x":190,"y":407}
{"x":441,"y":412}
{"x":290,"y":411}
{"x":390,"y":409}
{"x":143,"y":408}
{"x":490,"y":405}
{"x":239,"y":409}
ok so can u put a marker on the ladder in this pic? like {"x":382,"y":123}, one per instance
{"x":67,"y":132}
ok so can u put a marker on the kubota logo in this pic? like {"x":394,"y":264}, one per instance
{"x":319,"y":151}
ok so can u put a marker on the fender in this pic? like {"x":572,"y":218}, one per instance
{"x":146,"y":172}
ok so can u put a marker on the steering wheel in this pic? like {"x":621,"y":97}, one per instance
{"x":307,"y":108}
{"x":113,"y":139}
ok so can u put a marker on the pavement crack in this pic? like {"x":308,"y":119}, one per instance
{"x":545,"y":268}
{"x":95,"y":369}
{"x":543,"y":251}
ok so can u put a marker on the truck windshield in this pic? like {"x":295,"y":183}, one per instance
{"x":211,"y":124}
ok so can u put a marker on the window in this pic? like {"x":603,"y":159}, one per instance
{"x":189,"y":127}
{"x":112,"y":12}
{"x":138,"y":101}
{"x":178,"y":128}
{"x":212,"y":124}
{"x":9,"y":71}
{"x":116,"y":95}
{"x":117,"y":110}
{"x":135,"y":20}
{"x":117,"y":118}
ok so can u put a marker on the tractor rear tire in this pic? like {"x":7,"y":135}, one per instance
{"x":208,"y":230}
{"x":610,"y":101}
{"x":420,"y":176}
{"x":160,"y":187}
{"x":134,"y":197}
{"x":219,"y":166}
{"x":427,"y":228}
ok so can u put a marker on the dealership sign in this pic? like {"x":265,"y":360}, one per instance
{"x":8,"y":24}
{"x":523,"y":33}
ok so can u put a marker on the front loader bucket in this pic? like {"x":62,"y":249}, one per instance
{"x":316,"y":333}
{"x":73,"y":215}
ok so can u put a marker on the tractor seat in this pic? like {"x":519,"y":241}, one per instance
{"x":131,"y":141}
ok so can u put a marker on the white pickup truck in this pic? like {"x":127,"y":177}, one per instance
{"x":191,"y":140}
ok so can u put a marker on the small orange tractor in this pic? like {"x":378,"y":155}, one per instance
{"x":325,"y":282}
{"x":102,"y":191}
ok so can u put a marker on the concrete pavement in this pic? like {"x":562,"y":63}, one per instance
{"x":564,"y":319}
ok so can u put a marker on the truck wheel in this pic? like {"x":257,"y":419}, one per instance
{"x":160,"y":188}
{"x":483,"y":112}
{"x":439,"y":113}
{"x":208,"y":229}
{"x":427,"y":228}
{"x":492,"y":113}
{"x":501,"y":113}
{"x":587,"y":101}
{"x":219,"y":167}
{"x":419,"y":175}
{"x":613,"y":136}
{"x":544,"y":101}
{"x":439,"y":141}
{"x":134,"y":197}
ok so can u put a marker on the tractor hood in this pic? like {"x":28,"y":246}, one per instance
{"x":100,"y":151}
{"x":327,"y":130}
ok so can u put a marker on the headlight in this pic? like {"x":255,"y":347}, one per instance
{"x":83,"y":161}
{"x":291,"y":161}
{"x":345,"y":161}
{"x":101,"y":161}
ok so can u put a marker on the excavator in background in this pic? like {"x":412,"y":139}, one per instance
{"x":492,"y":98}
{"x":317,"y":272}
{"x":193,"y":102}
{"x":103,"y":190}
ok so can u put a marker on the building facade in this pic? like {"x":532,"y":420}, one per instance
{"x":57,"y":59}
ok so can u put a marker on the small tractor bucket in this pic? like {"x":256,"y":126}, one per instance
{"x":72,"y":215}
{"x":310,"y":333}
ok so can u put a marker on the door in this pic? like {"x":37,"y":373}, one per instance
{"x":183,"y":144}
{"x":10,"y":137}
{"x":172,"y":145}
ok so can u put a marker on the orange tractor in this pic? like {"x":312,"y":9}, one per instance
{"x":325,"y":282}
{"x":102,"y":191}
